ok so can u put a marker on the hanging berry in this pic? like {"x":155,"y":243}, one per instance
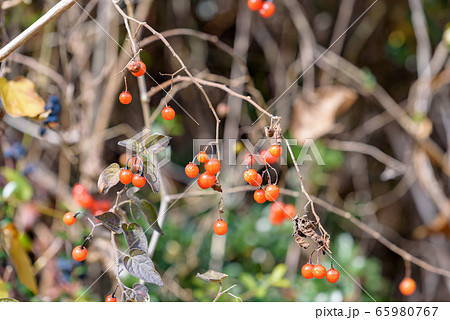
{"x":125,"y":97}
{"x":110,"y":298}
{"x":250,"y":176}
{"x":256,"y":182}
{"x":168,"y":113}
{"x":267,"y":10}
{"x":191,"y":170}
{"x":138,"y":181}
{"x":206,"y":180}
{"x":255,"y":5}
{"x":332,"y":275}
{"x":79,"y":253}
{"x":220,"y":227}
{"x":125,"y":176}
{"x":212,"y":166}
{"x":202,"y":157}
{"x":275,"y":150}
{"x":407,"y":286}
{"x":141,"y":70}
{"x":307,"y":271}
{"x":69,"y":218}
{"x":272,"y":192}
{"x":259,"y":196}
{"x":319,"y":271}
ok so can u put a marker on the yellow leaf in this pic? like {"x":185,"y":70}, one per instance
{"x":20,"y":99}
{"x":21,"y":260}
{"x":3,"y":290}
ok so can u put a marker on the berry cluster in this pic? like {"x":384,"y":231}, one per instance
{"x":318,"y":271}
{"x":82,"y":196}
{"x":137,"y":69}
{"x":280,"y":212}
{"x":126,"y":176}
{"x":252,"y":177}
{"x":79,"y":253}
{"x":266,"y":9}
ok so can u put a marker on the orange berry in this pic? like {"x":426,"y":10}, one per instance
{"x":275,"y":218}
{"x":290,"y":211}
{"x":275,"y":150}
{"x":267,"y":10}
{"x":168,"y":113}
{"x":125,"y":97}
{"x":272,"y":192}
{"x":319,"y":271}
{"x":69,"y":218}
{"x":85,"y":200}
{"x":110,"y":298}
{"x":212,"y":166}
{"x":134,"y":66}
{"x":125,"y":176}
{"x":191,"y":170}
{"x":259,"y":196}
{"x":206,"y":180}
{"x":407,"y":286}
{"x":138,"y":181}
{"x":141,"y":71}
{"x":332,"y":275}
{"x":250,"y":176}
{"x":202,"y":157}
{"x":79,"y":253}
{"x":307,"y":271}
{"x":256,"y":182}
{"x":254,"y":5}
{"x":220,"y":227}
{"x":267,"y":157}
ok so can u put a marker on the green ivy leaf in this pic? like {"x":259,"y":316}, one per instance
{"x":156,"y":143}
{"x":149,"y":212}
{"x":135,"y":236}
{"x":212,"y":276}
{"x":108,"y":178}
{"x":111,"y":221}
{"x":141,"y":266}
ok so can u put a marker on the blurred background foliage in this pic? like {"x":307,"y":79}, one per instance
{"x":260,"y":258}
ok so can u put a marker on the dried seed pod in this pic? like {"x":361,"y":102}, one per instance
{"x":270,"y":131}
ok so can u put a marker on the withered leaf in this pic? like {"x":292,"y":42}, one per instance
{"x":111,"y":221}
{"x":108,"y":178}
{"x":212,"y":276}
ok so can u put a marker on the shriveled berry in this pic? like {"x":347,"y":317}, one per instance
{"x":307,"y":271}
{"x":259,"y":196}
{"x":220,"y":227}
{"x":206,"y":180}
{"x":191,"y":170}
{"x":168,"y":113}
{"x":141,"y":71}
{"x":125,"y":176}
{"x":69,"y":218}
{"x":212,"y":166}
{"x":134,"y":66}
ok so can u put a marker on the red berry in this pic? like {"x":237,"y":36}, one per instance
{"x":69,"y":218}
{"x":275,"y":219}
{"x":319,"y":271}
{"x":168,"y":113}
{"x":250,"y":176}
{"x":101,"y":205}
{"x":141,"y":71}
{"x":110,"y":298}
{"x":85,"y":200}
{"x":272,"y":192}
{"x":125,"y":97}
{"x":257,"y":182}
{"x":125,"y":176}
{"x":254,"y":5}
{"x":267,"y":10}
{"x":202,"y":157}
{"x":206,"y":180}
{"x":212,"y":166}
{"x":290,"y":211}
{"x":407,"y":286}
{"x":332,"y":275}
{"x":307,"y":271}
{"x":220,"y":227}
{"x":78,"y":188}
{"x":259,"y":196}
{"x":79,"y":253}
{"x":138,"y":181}
{"x":267,"y":157}
{"x":191,"y":170}
{"x":275,"y":150}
